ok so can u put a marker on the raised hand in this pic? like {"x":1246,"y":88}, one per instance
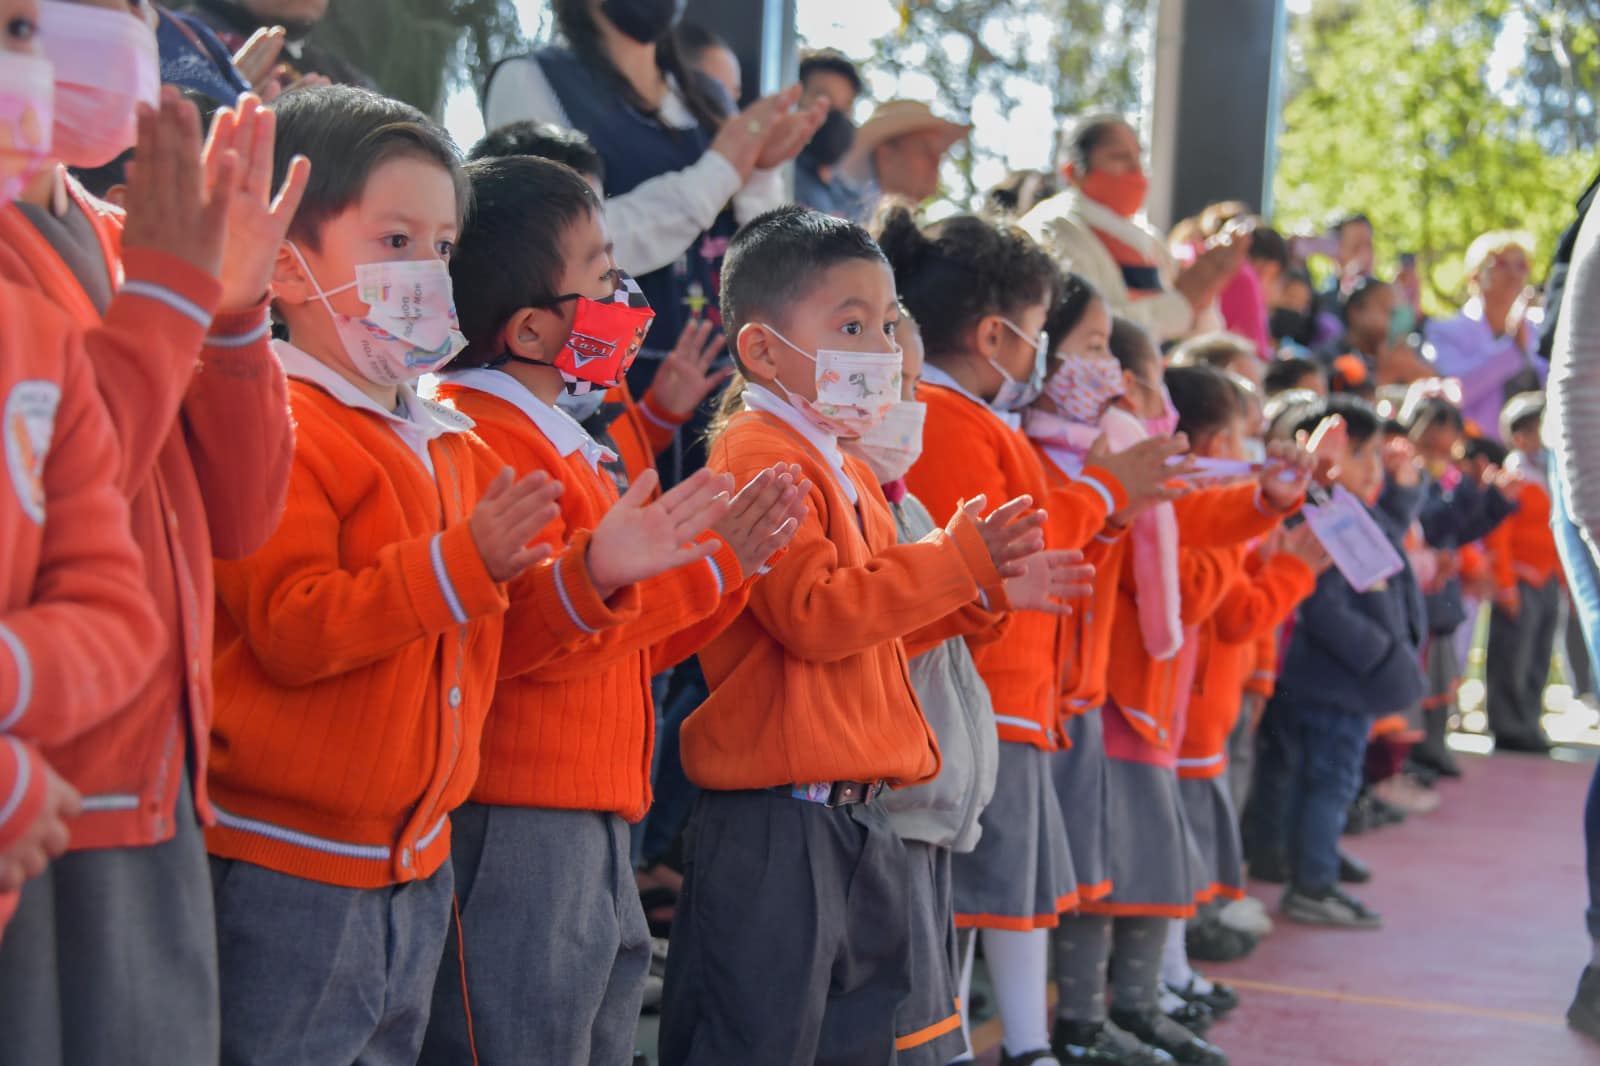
{"x":45,"y":839}
{"x":685,"y":377}
{"x":256,"y":220}
{"x":510,"y":514}
{"x":257,"y":59}
{"x":171,"y":205}
{"x":765,"y":515}
{"x":1147,"y":471}
{"x":638,"y":538}
{"x":1400,"y":463}
{"x":1287,"y":474}
{"x":1329,"y":445}
{"x":1303,"y":544}
{"x":1050,"y":579}
{"x":1011,"y":532}
{"x":791,"y":132}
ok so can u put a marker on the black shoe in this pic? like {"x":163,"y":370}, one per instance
{"x":1352,"y":871}
{"x":1157,"y":1030}
{"x":1213,"y":941}
{"x":1221,"y":999}
{"x":1584,"y":1014}
{"x":1330,"y":906}
{"x":1442,"y":763}
{"x":1043,"y":1056}
{"x":1360,"y":818}
{"x":1524,"y":745}
{"x":1194,"y":1015}
{"x":1271,"y":868}
{"x":1102,"y":1044}
{"x":1381,"y":812}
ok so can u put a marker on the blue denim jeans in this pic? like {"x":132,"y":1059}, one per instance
{"x":1308,"y":772}
{"x":1583,"y":579}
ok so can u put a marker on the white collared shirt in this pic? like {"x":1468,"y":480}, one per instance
{"x":932,"y":375}
{"x":760,"y":398}
{"x":558,"y":427}
{"x":423,"y":420}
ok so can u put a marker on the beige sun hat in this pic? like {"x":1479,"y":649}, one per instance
{"x":896,"y":118}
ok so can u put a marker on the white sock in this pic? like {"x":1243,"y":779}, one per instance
{"x":967,"y":945}
{"x":1175,"y":969}
{"x":1169,"y":1001}
{"x":1019,"y":967}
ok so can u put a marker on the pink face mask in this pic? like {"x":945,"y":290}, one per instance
{"x":1166,"y":423}
{"x":27,"y":99}
{"x":1083,"y":386}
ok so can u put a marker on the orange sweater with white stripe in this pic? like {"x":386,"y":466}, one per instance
{"x":1143,"y":688}
{"x":810,"y":683}
{"x":574,"y":727}
{"x":1253,"y":606}
{"x":357,"y":654}
{"x":76,"y":620}
{"x":198,"y":405}
{"x":968,"y":450}
{"x":1523,"y":547}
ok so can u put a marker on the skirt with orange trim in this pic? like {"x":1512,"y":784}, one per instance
{"x":927,"y":1023}
{"x":1213,"y":826}
{"x":1156,"y":870}
{"x":1079,"y":774}
{"x":1020,"y":875}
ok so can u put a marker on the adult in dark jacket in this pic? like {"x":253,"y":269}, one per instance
{"x":236,"y":21}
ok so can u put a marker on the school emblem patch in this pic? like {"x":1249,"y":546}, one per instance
{"x":29,"y":424}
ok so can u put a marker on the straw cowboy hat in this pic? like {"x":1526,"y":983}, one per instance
{"x":896,"y":118}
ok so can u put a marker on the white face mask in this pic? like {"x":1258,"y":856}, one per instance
{"x":1014,"y":395}
{"x":854,"y":389}
{"x":410,"y":326}
{"x":580,"y":407}
{"x":893,"y":446}
{"x":106,"y":65}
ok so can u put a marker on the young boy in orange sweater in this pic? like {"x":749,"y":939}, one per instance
{"x":1528,"y":588}
{"x":171,"y":304}
{"x":791,"y":943}
{"x":358,"y":650}
{"x":539,"y":961}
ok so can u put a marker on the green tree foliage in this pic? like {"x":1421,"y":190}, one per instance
{"x":1393,"y":107}
{"x":973,"y":50}
{"x":417,"y":49}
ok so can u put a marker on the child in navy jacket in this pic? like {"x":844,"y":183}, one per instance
{"x":1351,"y":656}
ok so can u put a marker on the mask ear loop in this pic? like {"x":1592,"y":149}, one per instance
{"x":316,"y":286}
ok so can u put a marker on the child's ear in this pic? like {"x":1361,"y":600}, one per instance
{"x":988,"y":336}
{"x":289,"y":281}
{"x":524,"y":333}
{"x":117,"y":194}
{"x":757,"y":353}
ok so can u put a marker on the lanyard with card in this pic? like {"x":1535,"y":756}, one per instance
{"x":1353,"y":539}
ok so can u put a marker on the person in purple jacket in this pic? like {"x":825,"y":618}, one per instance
{"x":1492,"y":346}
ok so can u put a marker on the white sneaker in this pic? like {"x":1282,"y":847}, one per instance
{"x":1407,"y":793}
{"x":1248,"y":915}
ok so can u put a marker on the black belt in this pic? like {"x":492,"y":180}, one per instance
{"x":833,"y":793}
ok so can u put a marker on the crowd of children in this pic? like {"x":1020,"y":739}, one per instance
{"x":327,"y":672}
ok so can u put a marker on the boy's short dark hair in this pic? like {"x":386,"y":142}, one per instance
{"x":1345,"y":219}
{"x":1361,"y":420}
{"x":831,"y":61}
{"x":1268,"y":246}
{"x":510,"y":252}
{"x":1206,"y":398}
{"x":545,"y":140}
{"x":776,"y":259}
{"x":1287,"y":373}
{"x":1490,"y":451}
{"x":102,"y":179}
{"x":1523,"y":411}
{"x":347,"y":133}
{"x":1365,"y":289}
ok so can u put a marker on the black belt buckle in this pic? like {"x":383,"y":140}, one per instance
{"x":845,"y":793}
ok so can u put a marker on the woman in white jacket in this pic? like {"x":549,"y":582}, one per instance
{"x":1094,"y":229}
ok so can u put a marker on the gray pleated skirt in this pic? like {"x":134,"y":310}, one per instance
{"x":1020,"y":874}
{"x":1155,"y":868}
{"x":1214,"y":831}
{"x":1079,"y":774}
